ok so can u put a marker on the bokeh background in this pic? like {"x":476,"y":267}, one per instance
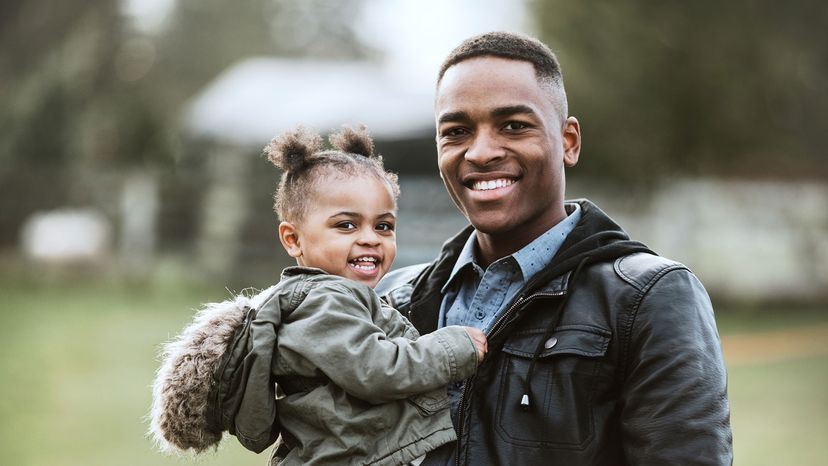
{"x":132,"y":185}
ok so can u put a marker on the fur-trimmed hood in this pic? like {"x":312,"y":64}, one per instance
{"x":180,"y":418}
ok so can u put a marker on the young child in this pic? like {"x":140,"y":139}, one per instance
{"x":318,"y":357}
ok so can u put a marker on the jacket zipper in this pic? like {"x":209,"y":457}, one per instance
{"x":495,"y":329}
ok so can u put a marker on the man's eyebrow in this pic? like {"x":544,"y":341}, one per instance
{"x":499,"y":112}
{"x":512,"y":110}
{"x":450,"y":117}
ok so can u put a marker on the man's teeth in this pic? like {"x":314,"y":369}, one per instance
{"x":491,"y":184}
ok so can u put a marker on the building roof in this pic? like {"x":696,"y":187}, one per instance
{"x":258,"y":98}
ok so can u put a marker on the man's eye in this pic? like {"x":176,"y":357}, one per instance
{"x":385,"y":227}
{"x":346,"y":225}
{"x":515,"y":126}
{"x":452,"y":132}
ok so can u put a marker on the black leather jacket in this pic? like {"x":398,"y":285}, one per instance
{"x":609,"y":357}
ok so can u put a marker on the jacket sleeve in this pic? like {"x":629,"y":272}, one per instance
{"x":333,"y":331}
{"x":675,"y":409}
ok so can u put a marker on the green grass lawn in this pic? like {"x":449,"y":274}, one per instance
{"x":76,"y":364}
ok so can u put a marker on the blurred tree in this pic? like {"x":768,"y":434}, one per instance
{"x":704,"y":87}
{"x":70,"y":93}
{"x":80,"y":88}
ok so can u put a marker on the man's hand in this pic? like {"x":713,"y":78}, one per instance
{"x":479,"y":340}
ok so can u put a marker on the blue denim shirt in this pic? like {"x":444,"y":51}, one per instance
{"x":474,"y":297}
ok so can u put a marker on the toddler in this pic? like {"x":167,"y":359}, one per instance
{"x":318,"y":360}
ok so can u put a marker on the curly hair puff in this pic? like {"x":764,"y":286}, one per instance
{"x":304,"y":164}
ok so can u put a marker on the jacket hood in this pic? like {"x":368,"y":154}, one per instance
{"x":596,"y":238}
{"x":183,"y":416}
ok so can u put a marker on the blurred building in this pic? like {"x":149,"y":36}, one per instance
{"x":209,"y":213}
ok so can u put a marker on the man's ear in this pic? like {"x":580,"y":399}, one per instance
{"x":571,"y":141}
{"x":289,"y":237}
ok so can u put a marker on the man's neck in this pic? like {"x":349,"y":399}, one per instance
{"x":491,"y":247}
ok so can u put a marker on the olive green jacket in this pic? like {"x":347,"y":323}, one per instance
{"x":362,"y":386}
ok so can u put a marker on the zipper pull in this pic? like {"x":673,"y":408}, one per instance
{"x":524,"y":402}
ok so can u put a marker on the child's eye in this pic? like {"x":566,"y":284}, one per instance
{"x":346,"y":225}
{"x":384,"y":226}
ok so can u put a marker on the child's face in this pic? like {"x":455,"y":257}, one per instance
{"x":348,"y":229}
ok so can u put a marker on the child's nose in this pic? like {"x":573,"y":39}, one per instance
{"x":368,"y":236}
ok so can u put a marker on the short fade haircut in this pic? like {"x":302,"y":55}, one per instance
{"x":514,"y":46}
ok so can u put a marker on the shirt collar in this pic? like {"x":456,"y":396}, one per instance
{"x":533,"y":257}
{"x":536,"y":255}
{"x":464,"y":259}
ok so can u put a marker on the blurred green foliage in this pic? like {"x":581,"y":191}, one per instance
{"x":81,"y":85}
{"x":694,"y":88}
{"x":704,"y":87}
{"x":85,"y":92}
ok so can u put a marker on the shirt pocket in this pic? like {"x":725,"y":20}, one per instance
{"x":561,"y":389}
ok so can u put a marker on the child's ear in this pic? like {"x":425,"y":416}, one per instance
{"x":289,"y":237}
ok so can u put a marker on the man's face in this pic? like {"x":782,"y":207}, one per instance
{"x":502,"y":148}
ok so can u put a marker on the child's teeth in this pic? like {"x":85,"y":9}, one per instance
{"x":364,"y":263}
{"x":365,"y":267}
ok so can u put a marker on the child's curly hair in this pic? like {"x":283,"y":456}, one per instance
{"x":305,"y":165}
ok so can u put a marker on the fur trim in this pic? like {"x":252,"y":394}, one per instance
{"x":178,"y":418}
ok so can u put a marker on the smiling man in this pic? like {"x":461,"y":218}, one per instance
{"x":600,"y":351}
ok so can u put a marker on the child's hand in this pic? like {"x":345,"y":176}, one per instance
{"x":479,"y":340}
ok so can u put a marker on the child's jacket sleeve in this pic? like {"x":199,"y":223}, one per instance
{"x":341,"y":332}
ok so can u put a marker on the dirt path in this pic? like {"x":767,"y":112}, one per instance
{"x":763,"y":347}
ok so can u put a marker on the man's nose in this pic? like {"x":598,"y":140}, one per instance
{"x":484,"y":148}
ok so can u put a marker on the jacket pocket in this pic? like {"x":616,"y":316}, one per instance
{"x":560,"y":411}
{"x":431,"y":402}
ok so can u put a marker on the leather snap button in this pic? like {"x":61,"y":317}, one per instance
{"x":550,"y":343}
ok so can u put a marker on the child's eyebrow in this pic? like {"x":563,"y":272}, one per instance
{"x":356,"y":215}
{"x":345,"y":213}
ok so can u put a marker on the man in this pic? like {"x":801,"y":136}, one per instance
{"x":600,"y":351}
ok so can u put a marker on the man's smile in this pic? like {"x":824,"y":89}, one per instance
{"x":484,"y":185}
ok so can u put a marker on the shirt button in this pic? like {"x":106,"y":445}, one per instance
{"x":480,"y":315}
{"x":550,"y":343}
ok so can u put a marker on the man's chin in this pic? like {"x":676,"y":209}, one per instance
{"x":491,"y":225}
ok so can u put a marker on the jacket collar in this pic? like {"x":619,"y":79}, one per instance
{"x":300,"y":270}
{"x":596,"y":238}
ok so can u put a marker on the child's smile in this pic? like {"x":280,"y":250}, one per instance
{"x":367,"y":264}
{"x":348,"y":229}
